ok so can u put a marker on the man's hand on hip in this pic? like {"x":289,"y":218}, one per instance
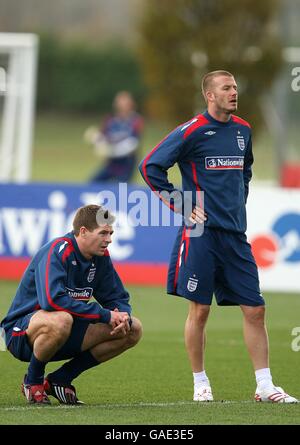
{"x":198,"y":215}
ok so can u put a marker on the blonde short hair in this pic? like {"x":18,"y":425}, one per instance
{"x":209,"y":77}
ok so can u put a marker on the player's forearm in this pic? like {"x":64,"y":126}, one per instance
{"x":79,"y":309}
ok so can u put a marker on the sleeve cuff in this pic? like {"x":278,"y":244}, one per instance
{"x":105,"y":316}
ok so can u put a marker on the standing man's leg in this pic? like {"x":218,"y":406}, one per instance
{"x":256,"y":336}
{"x":195,"y":345}
{"x":257,"y":342}
{"x":195,"y":334}
{"x":192,"y":276}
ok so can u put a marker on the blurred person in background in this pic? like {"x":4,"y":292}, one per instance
{"x":52,"y":318}
{"x":214,"y":154}
{"x":117,"y":140}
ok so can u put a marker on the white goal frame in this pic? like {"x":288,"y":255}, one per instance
{"x":17,"y":93}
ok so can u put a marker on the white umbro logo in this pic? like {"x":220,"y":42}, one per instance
{"x":210,"y":133}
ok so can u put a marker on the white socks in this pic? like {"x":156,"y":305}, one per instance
{"x":200,"y":379}
{"x":263,"y":378}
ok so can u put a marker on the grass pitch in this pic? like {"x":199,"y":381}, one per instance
{"x":152,"y":383}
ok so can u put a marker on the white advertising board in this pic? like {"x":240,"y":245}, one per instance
{"x":273,"y":216}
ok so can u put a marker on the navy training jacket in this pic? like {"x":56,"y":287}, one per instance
{"x":60,"y":278}
{"x":213,"y":157}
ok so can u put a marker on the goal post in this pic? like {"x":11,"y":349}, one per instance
{"x":18,"y":66}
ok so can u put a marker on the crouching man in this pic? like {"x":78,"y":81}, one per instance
{"x":51,"y":317}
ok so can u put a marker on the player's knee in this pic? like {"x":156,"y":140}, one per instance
{"x":198,"y":313}
{"x":135,"y":333}
{"x":255,"y":315}
{"x":61,"y":324}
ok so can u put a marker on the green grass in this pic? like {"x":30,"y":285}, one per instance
{"x":61,"y":155}
{"x":152,"y":383}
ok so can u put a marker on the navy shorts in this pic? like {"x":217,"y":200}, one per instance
{"x":18,"y":344}
{"x":217,"y":262}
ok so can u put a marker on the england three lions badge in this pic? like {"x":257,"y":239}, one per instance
{"x":91,"y":274}
{"x":241,"y":142}
{"x":192,"y":284}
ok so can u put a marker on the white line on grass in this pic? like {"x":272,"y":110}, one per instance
{"x":127,"y":405}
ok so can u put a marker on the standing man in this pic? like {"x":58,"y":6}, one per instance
{"x":118,"y":139}
{"x":50,"y":320}
{"x":214,"y":154}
